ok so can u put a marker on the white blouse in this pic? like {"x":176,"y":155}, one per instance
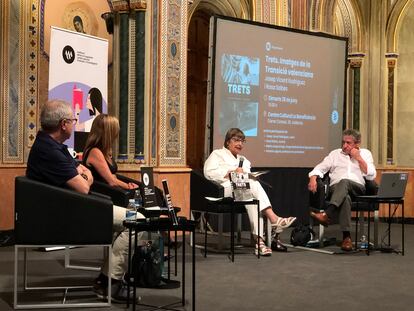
{"x":220,"y":162}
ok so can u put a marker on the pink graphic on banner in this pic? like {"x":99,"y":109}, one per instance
{"x":77,"y":98}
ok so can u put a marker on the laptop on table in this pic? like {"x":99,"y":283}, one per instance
{"x":392,"y":186}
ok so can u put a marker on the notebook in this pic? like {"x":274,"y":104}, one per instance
{"x":392,"y":186}
{"x":147,"y":177}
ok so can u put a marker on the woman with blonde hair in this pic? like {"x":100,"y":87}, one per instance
{"x":97,"y":155}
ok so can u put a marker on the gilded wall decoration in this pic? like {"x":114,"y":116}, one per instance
{"x":154,"y":84}
{"x":272,"y":12}
{"x":347,"y":28}
{"x":173,"y":33}
{"x":263,"y":11}
{"x":299,"y":14}
{"x":18,"y":78}
{"x":131,"y":87}
{"x":32,"y":105}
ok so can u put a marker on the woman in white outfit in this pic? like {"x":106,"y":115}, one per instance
{"x":221,"y":163}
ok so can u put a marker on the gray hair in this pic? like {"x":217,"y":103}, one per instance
{"x":53,"y":112}
{"x":354,"y":133}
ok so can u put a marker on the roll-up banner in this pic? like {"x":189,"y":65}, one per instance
{"x":78,"y":74}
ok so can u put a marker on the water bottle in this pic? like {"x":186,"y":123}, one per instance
{"x":131,"y":210}
{"x":364,"y":242}
{"x":137,"y":199}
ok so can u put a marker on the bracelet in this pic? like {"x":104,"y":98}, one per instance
{"x":84,"y":176}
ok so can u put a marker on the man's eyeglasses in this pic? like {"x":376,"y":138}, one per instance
{"x":74,"y":121}
{"x":238,"y":140}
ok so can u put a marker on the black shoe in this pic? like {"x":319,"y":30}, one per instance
{"x":166,"y":257}
{"x":277,"y":246}
{"x":119,"y":290}
{"x":100,"y":286}
{"x":120,"y":293}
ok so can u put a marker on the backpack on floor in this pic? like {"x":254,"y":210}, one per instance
{"x":301,"y":235}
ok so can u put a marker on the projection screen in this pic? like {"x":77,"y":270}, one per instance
{"x":283,"y":88}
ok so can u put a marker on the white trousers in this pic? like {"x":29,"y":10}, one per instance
{"x":264,"y":202}
{"x":119,"y":244}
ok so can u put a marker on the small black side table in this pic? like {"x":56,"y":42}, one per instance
{"x":163,"y":224}
{"x":228,"y":205}
{"x":375,"y":201}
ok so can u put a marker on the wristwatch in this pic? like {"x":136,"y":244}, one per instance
{"x":84,"y":176}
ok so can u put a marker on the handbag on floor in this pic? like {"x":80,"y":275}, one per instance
{"x":148,"y":264}
{"x":301,"y":235}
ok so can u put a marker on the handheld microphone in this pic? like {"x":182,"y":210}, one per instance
{"x":170,"y":206}
{"x":241,"y":161}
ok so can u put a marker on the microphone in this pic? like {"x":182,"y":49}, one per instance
{"x":241,"y":161}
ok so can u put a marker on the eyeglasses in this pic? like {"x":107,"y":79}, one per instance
{"x":74,"y":121}
{"x":238,"y":140}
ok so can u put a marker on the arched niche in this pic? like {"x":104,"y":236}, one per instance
{"x":199,"y":14}
{"x":233,"y":8}
{"x":395,"y":18}
{"x":348,"y":23}
{"x":401,"y":109}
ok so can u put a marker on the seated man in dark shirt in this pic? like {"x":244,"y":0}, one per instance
{"x":49,"y":159}
{"x":50,"y":162}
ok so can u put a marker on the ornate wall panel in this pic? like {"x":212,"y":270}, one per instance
{"x":172,"y":82}
{"x":264,"y":11}
{"x":154,"y":66}
{"x":18,"y":78}
{"x":315,"y":15}
{"x":300,"y":14}
{"x":282,"y":13}
{"x":131,"y":89}
{"x":274,"y":12}
{"x":32,"y":100}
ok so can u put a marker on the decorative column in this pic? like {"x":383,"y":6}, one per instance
{"x":140,"y":7}
{"x":121,"y":9}
{"x":391,"y":64}
{"x":355,"y":62}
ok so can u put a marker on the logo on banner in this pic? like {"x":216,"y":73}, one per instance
{"x":68,"y":54}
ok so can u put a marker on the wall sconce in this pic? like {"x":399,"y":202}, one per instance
{"x":108,"y":17}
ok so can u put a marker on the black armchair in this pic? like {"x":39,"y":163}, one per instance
{"x":318,"y":202}
{"x":46,"y":215}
